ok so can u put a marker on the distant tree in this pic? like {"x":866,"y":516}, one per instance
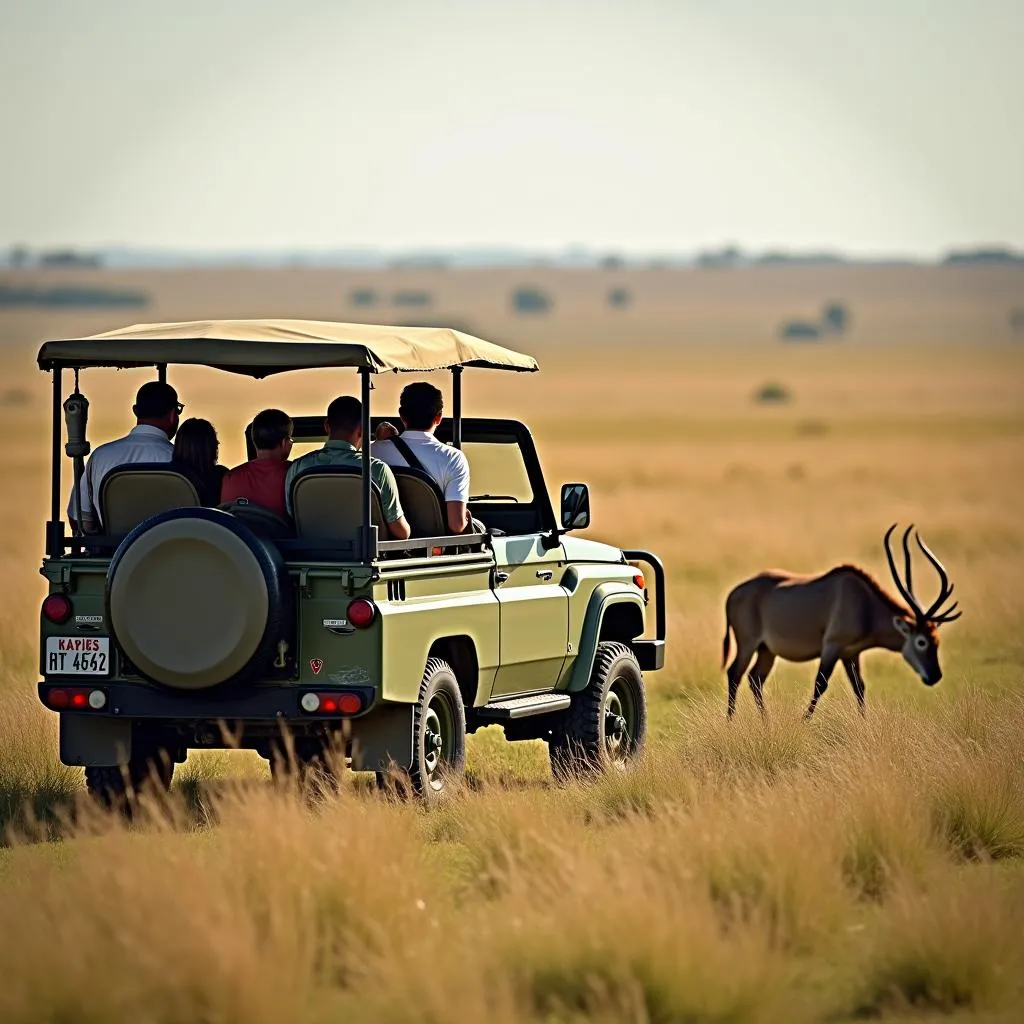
{"x":612,"y":262}
{"x":800,"y":330}
{"x":363,"y":297}
{"x":730,"y":256}
{"x":619,"y":298}
{"x":20,"y":256}
{"x":994,"y":254}
{"x":531,"y":299}
{"x":835,"y":318}
{"x":1017,"y":320}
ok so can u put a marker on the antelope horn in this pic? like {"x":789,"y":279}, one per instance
{"x":947,"y":615}
{"x":908,"y":571}
{"x":945,"y":590}
{"x":906,"y":594}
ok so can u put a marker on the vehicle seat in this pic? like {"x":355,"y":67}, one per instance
{"x":422,"y":502}
{"x":132,"y":493}
{"x":327,"y":504}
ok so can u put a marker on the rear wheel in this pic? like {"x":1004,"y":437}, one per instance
{"x":116,"y":787}
{"x":606,"y":725}
{"x":439,"y":736}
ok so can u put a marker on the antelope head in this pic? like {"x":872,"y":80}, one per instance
{"x":920,"y":640}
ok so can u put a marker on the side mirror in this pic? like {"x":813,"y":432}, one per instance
{"x":575,"y":513}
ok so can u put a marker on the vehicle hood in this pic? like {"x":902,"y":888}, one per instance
{"x":579,"y":550}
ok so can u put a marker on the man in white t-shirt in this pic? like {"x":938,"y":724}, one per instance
{"x":157,"y":411}
{"x":420,"y":408}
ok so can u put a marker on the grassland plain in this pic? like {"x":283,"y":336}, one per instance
{"x":760,"y":871}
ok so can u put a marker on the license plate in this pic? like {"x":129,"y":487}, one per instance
{"x":77,"y":655}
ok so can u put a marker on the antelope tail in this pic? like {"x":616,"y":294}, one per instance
{"x":725,"y":641}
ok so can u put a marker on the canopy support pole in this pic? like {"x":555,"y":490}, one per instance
{"x":161,"y":372}
{"x":369,"y":531}
{"x":55,"y":527}
{"x":457,"y":406}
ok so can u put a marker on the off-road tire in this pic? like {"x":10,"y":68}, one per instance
{"x":430,"y":777}
{"x":116,"y":787}
{"x":585,"y":741}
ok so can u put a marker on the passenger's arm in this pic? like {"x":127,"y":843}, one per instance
{"x":456,"y":495}
{"x":398,"y":526}
{"x":458,"y":516}
{"x":400,"y":529}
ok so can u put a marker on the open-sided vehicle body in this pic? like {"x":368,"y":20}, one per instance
{"x":183,"y":627}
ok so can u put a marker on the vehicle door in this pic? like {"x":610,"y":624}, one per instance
{"x":509,"y":495}
{"x":533,"y":614}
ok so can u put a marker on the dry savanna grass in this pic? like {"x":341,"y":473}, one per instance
{"x":753,"y":871}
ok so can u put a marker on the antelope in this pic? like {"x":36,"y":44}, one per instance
{"x":833,"y":617}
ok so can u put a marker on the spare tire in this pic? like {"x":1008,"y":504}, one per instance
{"x":196,"y":599}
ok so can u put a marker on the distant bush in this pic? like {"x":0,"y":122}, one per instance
{"x":412,"y":298}
{"x":69,"y":296}
{"x":619,"y":298}
{"x":1017,"y":320}
{"x":800,"y":330}
{"x":363,"y":297}
{"x":530,"y":299}
{"x":772,"y":394}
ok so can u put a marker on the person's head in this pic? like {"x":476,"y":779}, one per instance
{"x":345,"y":420}
{"x":196,"y":445}
{"x":421,"y":406}
{"x":272,"y":434}
{"x":157,"y":405}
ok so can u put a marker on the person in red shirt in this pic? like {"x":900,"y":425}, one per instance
{"x":261,"y":480}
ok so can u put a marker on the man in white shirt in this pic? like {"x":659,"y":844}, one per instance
{"x":157,"y":411}
{"x":420,"y":408}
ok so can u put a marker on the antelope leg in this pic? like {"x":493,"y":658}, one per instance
{"x":826,"y":667}
{"x":735,"y":674}
{"x":852,"y":666}
{"x":759,"y":673}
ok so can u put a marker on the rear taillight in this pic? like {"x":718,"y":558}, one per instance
{"x":639,"y":581}
{"x":331,"y":703}
{"x":75,"y":698}
{"x":57,"y":609}
{"x":361,"y":613}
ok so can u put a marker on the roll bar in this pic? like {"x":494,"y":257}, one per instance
{"x":369,"y":540}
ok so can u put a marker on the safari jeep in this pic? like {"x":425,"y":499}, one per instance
{"x":180,"y":626}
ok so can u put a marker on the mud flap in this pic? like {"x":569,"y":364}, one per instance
{"x":382,"y":737}
{"x":95,"y":742}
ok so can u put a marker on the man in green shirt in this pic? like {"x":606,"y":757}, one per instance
{"x":344,"y":427}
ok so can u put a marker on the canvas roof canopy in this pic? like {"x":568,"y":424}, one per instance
{"x":259,"y":348}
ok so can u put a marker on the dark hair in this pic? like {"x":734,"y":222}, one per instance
{"x":269,"y":428}
{"x":196,"y":446}
{"x":420,"y":405}
{"x":345,"y":414}
{"x":154,"y":400}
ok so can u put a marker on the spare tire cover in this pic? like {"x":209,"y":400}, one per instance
{"x":195,"y":599}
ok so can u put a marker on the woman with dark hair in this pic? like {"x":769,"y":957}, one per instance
{"x":195,"y":452}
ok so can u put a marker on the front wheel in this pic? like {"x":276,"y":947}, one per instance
{"x":606,"y":724}
{"x":439,"y":735}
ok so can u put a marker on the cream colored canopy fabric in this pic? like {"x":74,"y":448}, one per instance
{"x":259,"y":348}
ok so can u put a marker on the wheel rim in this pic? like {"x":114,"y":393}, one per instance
{"x":619,"y":721}
{"x":438,"y":739}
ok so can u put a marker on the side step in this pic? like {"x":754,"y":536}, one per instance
{"x":523,"y":707}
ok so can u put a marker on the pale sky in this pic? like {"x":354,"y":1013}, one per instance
{"x":873,"y":126}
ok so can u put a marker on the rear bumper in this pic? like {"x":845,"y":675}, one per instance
{"x":257,"y":704}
